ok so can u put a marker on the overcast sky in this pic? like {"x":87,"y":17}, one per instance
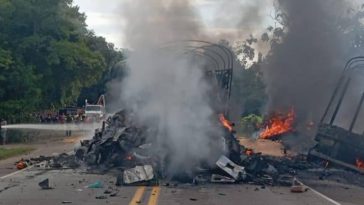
{"x":104,"y":18}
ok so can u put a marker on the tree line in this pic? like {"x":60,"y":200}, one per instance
{"x":48,"y":57}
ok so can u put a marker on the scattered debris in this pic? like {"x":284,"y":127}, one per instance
{"x":215,"y":178}
{"x":138,"y":174}
{"x":234,"y":170}
{"x":298,"y":187}
{"x":22,"y":164}
{"x":96,"y":185}
{"x":114,"y":194}
{"x":101,"y":197}
{"x":107,"y":192}
{"x":45,"y":184}
{"x":122,"y":146}
{"x":118,"y":144}
{"x":199,"y":179}
{"x":119,"y":180}
{"x":66,"y":202}
{"x":285,"y":180}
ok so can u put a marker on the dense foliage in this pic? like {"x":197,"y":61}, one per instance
{"x":48,"y":56}
{"x":248,"y":84}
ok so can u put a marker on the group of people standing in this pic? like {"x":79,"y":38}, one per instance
{"x":58,"y":118}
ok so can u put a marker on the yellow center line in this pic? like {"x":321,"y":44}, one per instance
{"x":153,"y":199}
{"x":136,"y":200}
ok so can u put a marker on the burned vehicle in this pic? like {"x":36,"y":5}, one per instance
{"x":336,"y":143}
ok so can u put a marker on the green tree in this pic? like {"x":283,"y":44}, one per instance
{"x":248,"y":82}
{"x":47,"y":56}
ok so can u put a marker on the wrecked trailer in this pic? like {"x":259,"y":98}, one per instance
{"x":335,"y":143}
{"x":339,"y":146}
{"x":124,"y":146}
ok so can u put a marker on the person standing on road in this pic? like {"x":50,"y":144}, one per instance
{"x":68,"y":121}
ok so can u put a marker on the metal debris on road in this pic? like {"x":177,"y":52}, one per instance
{"x":216,"y":178}
{"x":138,"y":174}
{"x":298,"y":187}
{"x":124,"y":148}
{"x":95,"y":185}
{"x":234,"y":170}
{"x":101,"y":197}
{"x":45,"y":184}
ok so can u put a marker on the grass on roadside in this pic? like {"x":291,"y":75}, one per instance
{"x":11,"y":152}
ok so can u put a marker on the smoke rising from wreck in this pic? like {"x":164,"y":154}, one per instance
{"x":299,"y":72}
{"x":166,"y":89}
{"x":236,"y":20}
{"x":302,"y":70}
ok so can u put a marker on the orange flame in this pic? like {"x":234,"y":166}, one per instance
{"x":226,"y":123}
{"x":278,"y":125}
{"x":360,"y":163}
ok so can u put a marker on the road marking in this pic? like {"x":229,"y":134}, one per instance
{"x":153,"y":199}
{"x":321,"y":195}
{"x":324,"y":196}
{"x":16,"y":172}
{"x":137,"y":196}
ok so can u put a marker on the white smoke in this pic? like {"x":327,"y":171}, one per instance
{"x":168,"y":87}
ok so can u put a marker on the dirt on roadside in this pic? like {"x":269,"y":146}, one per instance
{"x":53,"y":146}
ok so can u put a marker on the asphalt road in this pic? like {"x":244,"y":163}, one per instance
{"x":71,"y":186}
{"x":345,"y":194}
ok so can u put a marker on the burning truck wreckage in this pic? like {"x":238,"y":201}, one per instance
{"x":124,"y":147}
{"x":129,"y":150}
{"x":288,"y":121}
